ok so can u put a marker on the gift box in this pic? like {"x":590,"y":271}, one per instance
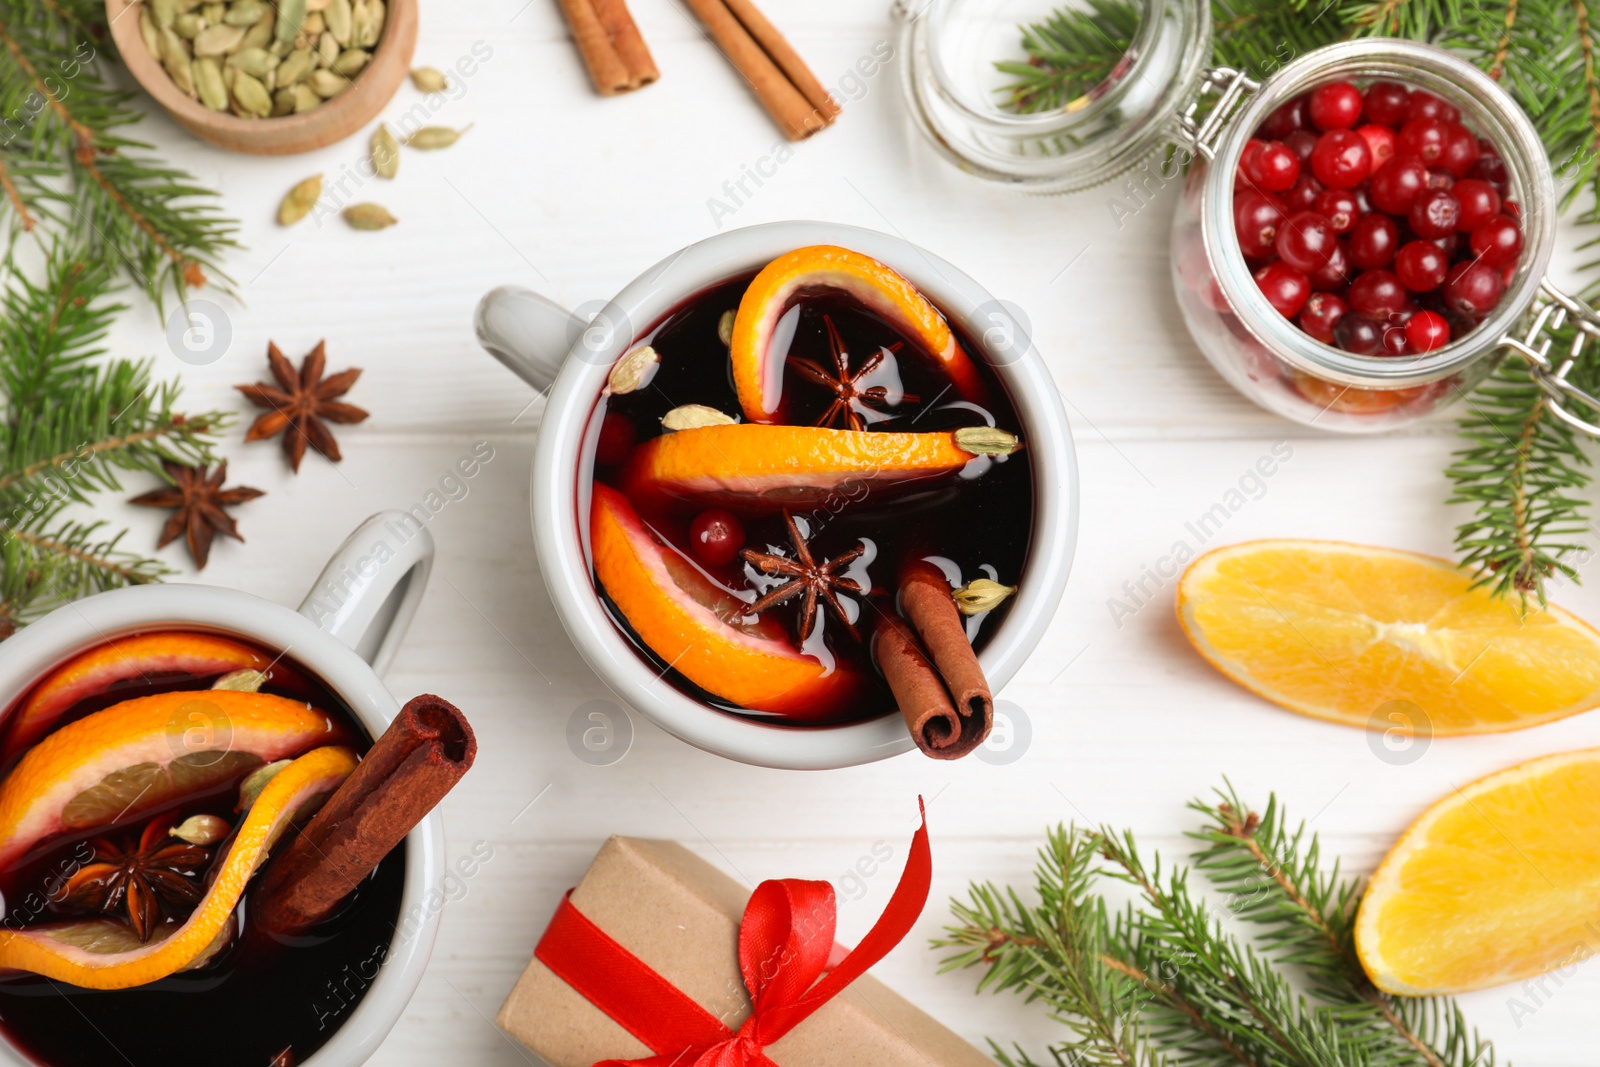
{"x":657,"y":957}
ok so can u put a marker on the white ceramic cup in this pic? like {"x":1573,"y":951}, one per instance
{"x":570,"y":355}
{"x":346,"y":631}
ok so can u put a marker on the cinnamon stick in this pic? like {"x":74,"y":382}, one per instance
{"x":783,"y":83}
{"x":927,"y":601}
{"x":419,"y":758}
{"x":611,"y":45}
{"x":924,"y":704}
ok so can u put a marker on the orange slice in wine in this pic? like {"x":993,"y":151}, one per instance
{"x":758,"y":362}
{"x":138,"y":755}
{"x":98,"y":955}
{"x":750,"y":466}
{"x":154,"y":655}
{"x":699,"y":627}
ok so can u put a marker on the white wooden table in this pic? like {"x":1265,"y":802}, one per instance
{"x":573,"y":194}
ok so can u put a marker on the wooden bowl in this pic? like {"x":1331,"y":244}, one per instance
{"x":335,"y":120}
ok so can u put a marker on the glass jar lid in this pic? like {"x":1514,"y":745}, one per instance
{"x":1102,"y":87}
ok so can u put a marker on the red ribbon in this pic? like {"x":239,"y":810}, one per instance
{"x":785,"y":941}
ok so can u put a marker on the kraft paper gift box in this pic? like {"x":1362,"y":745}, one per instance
{"x":681,"y":916}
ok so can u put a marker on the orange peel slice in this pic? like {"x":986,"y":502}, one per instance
{"x":692,"y":623}
{"x":142,"y":753}
{"x":758,"y":365}
{"x":67,"y":952}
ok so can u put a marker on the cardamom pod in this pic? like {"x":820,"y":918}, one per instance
{"x":259,"y":35}
{"x":725,"y":327}
{"x":256,"y":62}
{"x":360,"y":19}
{"x":208,"y":83}
{"x":202,"y":829}
{"x":339,"y":18}
{"x":212,"y":12}
{"x":985,"y":441}
{"x":164,"y":12}
{"x":282,"y":102}
{"x":429,"y":80}
{"x":430,"y":138}
{"x":295,"y":65}
{"x":175,"y":58}
{"x":241,"y":681}
{"x":291,"y":17}
{"x":981,"y":595}
{"x":150,"y":32}
{"x":327,"y":49}
{"x":244,"y":13}
{"x":385,"y":152}
{"x":298,"y":202}
{"x":350,"y":62}
{"x":633,"y":371}
{"x":218,"y":40}
{"x":188,"y":25}
{"x":313,"y":26}
{"x":251,"y":96}
{"x":316,"y":6}
{"x":369,"y":216}
{"x":694,"y":417}
{"x":305,"y":99}
{"x":327,"y":84}
{"x":258,"y":779}
{"x":377,"y":15}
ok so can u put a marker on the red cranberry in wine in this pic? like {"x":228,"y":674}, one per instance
{"x":1376,"y":293}
{"x":1304,"y":194}
{"x":1286,"y":288}
{"x":1423,"y":139}
{"x":1321,"y":314}
{"x":1380,"y":141}
{"x":1256,"y":217}
{"x":1424,"y":105}
{"x":1427,"y":331}
{"x":1333,"y":275}
{"x":1473,"y":288}
{"x":1396,"y":184}
{"x":1305,"y":240}
{"x":1434,"y":214}
{"x":1339,"y":207}
{"x":1498,"y":241}
{"x":1491,"y":169}
{"x":1374,"y":241}
{"x":1301,"y":142}
{"x":1335,"y":106}
{"x":1357,"y":333}
{"x":616,"y":439}
{"x":1420,"y":266}
{"x":715,"y":537}
{"x":1460,"y":149}
{"x":1284,"y":120}
{"x":1273,"y":168}
{"x":1479,"y":203}
{"x":1341,"y":159}
{"x":1385,"y":103}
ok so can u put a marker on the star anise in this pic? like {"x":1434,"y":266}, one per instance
{"x":849,"y":398}
{"x":817,"y":582}
{"x":199,"y":499}
{"x":148,"y":879}
{"x":302,"y":404}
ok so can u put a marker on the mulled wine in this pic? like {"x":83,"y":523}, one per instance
{"x":769,"y":459}
{"x":135,"y":778}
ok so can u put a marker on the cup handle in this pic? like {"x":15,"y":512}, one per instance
{"x":527,"y":332}
{"x":370,"y":588}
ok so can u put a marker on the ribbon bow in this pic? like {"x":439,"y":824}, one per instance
{"x":785,"y":945}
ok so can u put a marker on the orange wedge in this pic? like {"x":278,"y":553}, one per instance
{"x":758,"y":363}
{"x":141,"y":656}
{"x":1496,"y":882}
{"x":1343,"y":632}
{"x":140,"y":754}
{"x":697,"y":626}
{"x":753,"y":466}
{"x":94,"y":956}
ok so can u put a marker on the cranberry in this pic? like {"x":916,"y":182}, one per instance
{"x":1424,"y":105}
{"x":1357,"y":333}
{"x":1304,"y":193}
{"x":715,"y":537}
{"x":1341,"y":159}
{"x":1339,"y":207}
{"x":1491,"y":169}
{"x":1394,"y":340}
{"x":1284,"y":120}
{"x":1321,"y":314}
{"x":1498,"y":241}
{"x":1333,"y":275}
{"x":1439,"y":178}
{"x":1460,"y":149}
{"x":1373,"y":241}
{"x":1256,"y":217}
{"x":1335,"y":106}
{"x":1305,"y":241}
{"x":1479,"y":203}
{"x":1508,"y":274}
{"x":1377,"y":293}
{"x":1449,"y":244}
{"x":1512,"y":208}
{"x":1473,"y":289}
{"x":1273,"y":168}
{"x":1386,"y":103}
{"x":1286,"y":288}
{"x":1396,"y":184}
{"x":1301,"y":142}
{"x":1434,"y":213}
{"x":1248,"y":153}
{"x":616,"y":439}
{"x":1420,"y":266}
{"x":1380,"y":140}
{"x":1422,"y":138}
{"x":1427,"y":330}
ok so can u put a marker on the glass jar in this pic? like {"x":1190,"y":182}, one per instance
{"x":1208,"y":115}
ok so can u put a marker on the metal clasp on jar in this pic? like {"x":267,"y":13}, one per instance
{"x":1551,"y":311}
{"x":1230,"y":88}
